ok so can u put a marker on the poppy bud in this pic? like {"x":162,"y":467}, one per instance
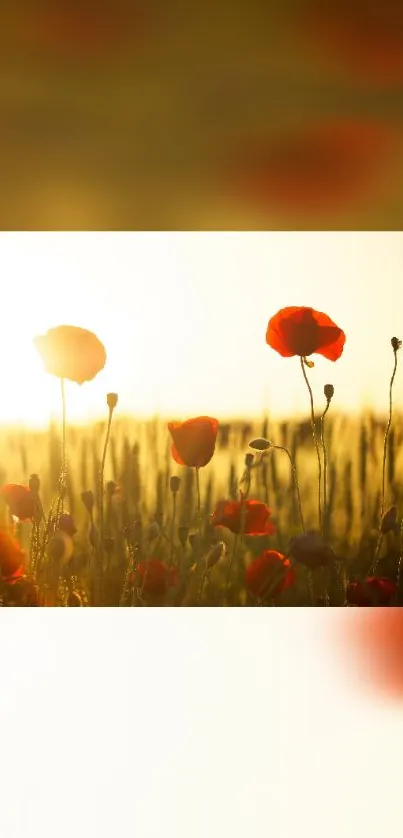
{"x":249,"y":460}
{"x":34,"y":484}
{"x":214,"y":555}
{"x":88,"y":500}
{"x":260,"y":444}
{"x":112,"y":400}
{"x":183,"y":533}
{"x":396,"y":344}
{"x":389,"y":521}
{"x":328,"y":391}
{"x":174,"y":484}
{"x":66,"y":524}
{"x":153,"y":531}
{"x":93,"y":535}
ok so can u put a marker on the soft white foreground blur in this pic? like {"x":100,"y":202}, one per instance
{"x":170,"y":722}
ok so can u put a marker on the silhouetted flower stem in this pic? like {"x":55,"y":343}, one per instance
{"x":322,"y":439}
{"x":395,"y":346}
{"x":315,"y":439}
{"x":295,"y":476}
{"x":101,"y":502}
{"x":199,"y":515}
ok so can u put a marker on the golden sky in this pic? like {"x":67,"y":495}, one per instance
{"x":183,"y":318}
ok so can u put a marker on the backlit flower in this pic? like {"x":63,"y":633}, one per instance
{"x":12,"y":557}
{"x":193,"y":441}
{"x":252,"y":517}
{"x":71,"y":352}
{"x":298,"y":330}
{"x":156,"y":577}
{"x":372,"y":591}
{"x":21,"y":501}
{"x":310,"y":550}
{"x":270,"y":573}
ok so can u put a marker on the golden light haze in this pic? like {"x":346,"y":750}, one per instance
{"x":183,"y":317}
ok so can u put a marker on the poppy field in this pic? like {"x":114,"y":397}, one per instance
{"x":203,"y":512}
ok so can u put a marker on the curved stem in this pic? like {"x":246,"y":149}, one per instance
{"x":315,"y":439}
{"x":385,"y":443}
{"x":294,"y":472}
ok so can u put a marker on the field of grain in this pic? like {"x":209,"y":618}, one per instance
{"x":137,"y":476}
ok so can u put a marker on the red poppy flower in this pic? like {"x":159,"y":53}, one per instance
{"x":361,"y":38}
{"x":20,"y":500}
{"x":372,"y":591}
{"x":310,"y":550}
{"x":194,"y":441}
{"x":324,"y":167}
{"x":71,"y":352}
{"x":156,"y":577}
{"x":12,"y":558}
{"x":298,"y":330}
{"x":270,"y":573}
{"x":255,"y":515}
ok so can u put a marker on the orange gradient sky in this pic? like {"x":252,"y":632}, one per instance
{"x":183,"y":318}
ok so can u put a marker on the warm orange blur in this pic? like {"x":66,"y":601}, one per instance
{"x":140,"y":115}
{"x":372,"y":645}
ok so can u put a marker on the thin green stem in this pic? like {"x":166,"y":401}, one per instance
{"x":322,"y":439}
{"x":315,"y":439}
{"x":295,"y":476}
{"x":385,"y":443}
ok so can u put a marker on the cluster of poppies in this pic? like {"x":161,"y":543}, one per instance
{"x":78,"y":355}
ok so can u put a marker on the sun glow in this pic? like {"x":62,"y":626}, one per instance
{"x":183,"y":318}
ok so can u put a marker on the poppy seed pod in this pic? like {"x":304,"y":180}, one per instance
{"x":174,"y":484}
{"x":249,"y":460}
{"x":260,"y":444}
{"x":396,"y":344}
{"x":112,"y":400}
{"x":88,"y":500}
{"x":328,"y":391}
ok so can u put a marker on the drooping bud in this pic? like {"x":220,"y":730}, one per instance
{"x":214,"y":555}
{"x":88,"y":500}
{"x":260,"y":444}
{"x":328,"y":391}
{"x":396,"y":344}
{"x":112,"y":400}
{"x":174,"y":484}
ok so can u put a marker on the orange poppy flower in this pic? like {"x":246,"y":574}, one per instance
{"x":156,"y":577}
{"x":298,"y":330}
{"x":194,"y":441}
{"x":12,"y":558}
{"x":71,"y":352}
{"x":317,"y":168}
{"x":256,"y":515}
{"x":269,"y":572}
{"x":20,"y":500}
